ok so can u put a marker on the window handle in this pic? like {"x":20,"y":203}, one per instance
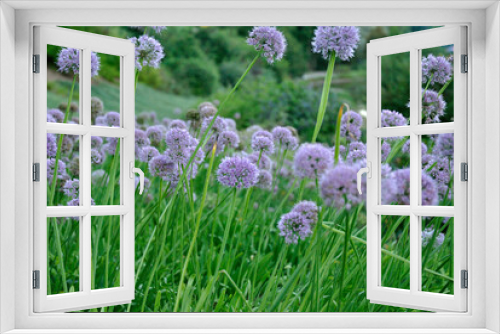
{"x":368,"y":171}
{"x":139,"y":171}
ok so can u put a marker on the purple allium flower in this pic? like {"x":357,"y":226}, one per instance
{"x":261,"y":143}
{"x":96,"y":107}
{"x":433,"y":106}
{"x":265,"y":179}
{"x":406,"y":148}
{"x":299,"y":223}
{"x":342,"y":150}
{"x":343,"y":40}
{"x":147,"y":153}
{"x":148,"y":52}
{"x":390,"y":118}
{"x":262,"y":133}
{"x":350,"y":126}
{"x":441,"y":171}
{"x":264,"y":163}
{"x":339,"y":186}
{"x":207,"y":109}
{"x":228,"y":139}
{"x":427,"y":236}
{"x":177,"y":138}
{"x":402,"y":181}
{"x":237,"y":172}
{"x":388,"y":185}
{"x":230,"y":123}
{"x":268,"y":40}
{"x":96,"y":142}
{"x":67,"y":144}
{"x":155,"y":134}
{"x":74,"y":166}
{"x":110,"y":146}
{"x":436,"y":69}
{"x":68,"y":60}
{"x":61,"y":169}
{"x":218,"y":126}
{"x":357,"y":151}
{"x":55,"y":115}
{"x":96,"y":157}
{"x":444,"y":145}
{"x":113,"y":118}
{"x":51,"y":145}
{"x":177,"y":123}
{"x":164,"y":167}
{"x":280,"y":132}
{"x":289,"y":143}
{"x":141,"y":139}
{"x":385,"y":150}
{"x":156,"y":29}
{"x":311,"y":160}
{"x":71,"y":187}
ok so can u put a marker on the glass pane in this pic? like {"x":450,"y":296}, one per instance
{"x":105,"y":252}
{"x":63,"y":65}
{"x":395,"y":94}
{"x":105,"y":159}
{"x":105,"y":90}
{"x":63,"y":255}
{"x":438,"y":169}
{"x":437,"y":254}
{"x":395,"y":269}
{"x":395,"y":170}
{"x":63,"y":155}
{"x":437,"y":85}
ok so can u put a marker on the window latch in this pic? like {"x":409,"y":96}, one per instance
{"x":139,"y":171}
{"x":368,"y":171}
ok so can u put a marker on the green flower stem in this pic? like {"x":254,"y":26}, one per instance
{"x":136,"y":78}
{"x":343,"y":268}
{"x":427,"y":85}
{"x":196,"y":229}
{"x":319,"y":250}
{"x":324,"y":96}
{"x":237,"y":290}
{"x":249,"y":193}
{"x":441,"y":91}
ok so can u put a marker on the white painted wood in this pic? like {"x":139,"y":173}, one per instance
{"x":414,"y":43}
{"x":85,"y":298}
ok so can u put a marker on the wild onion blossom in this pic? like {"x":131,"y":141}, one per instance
{"x":68,"y":61}
{"x":96,"y":156}
{"x":218,"y":126}
{"x":230,"y":124}
{"x":147,"y":153}
{"x":67,"y":144}
{"x":96,"y":142}
{"x":111,"y":118}
{"x":227,"y":139}
{"x":55,"y":116}
{"x":385,"y":149}
{"x":444,"y":145}
{"x":357,"y":152}
{"x":96,"y":107}
{"x":61,"y":169}
{"x":441,"y":171}
{"x":279,"y":133}
{"x":433,"y":106}
{"x":265,"y":179}
{"x":436,"y":69}
{"x":350,"y":126}
{"x":402,"y":181}
{"x":110,"y":146}
{"x":390,"y":118}
{"x":262,"y":143}
{"x":311,"y":160}
{"x":162,"y":166}
{"x":343,"y":40}
{"x":207,"y":109}
{"x":268,"y":40}
{"x":299,"y":223}
{"x":406,"y":147}
{"x":155,"y":134}
{"x":339,"y":186}
{"x":71,"y":187}
{"x":177,"y":123}
{"x":51,"y":145}
{"x":237,"y":172}
{"x":289,"y":143}
{"x":148,"y":52}
{"x":141,"y":139}
{"x":428,"y":234}
{"x":264,"y":163}
{"x":180,"y":145}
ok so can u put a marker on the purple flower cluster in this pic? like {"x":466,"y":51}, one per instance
{"x":268,"y":40}
{"x":433,"y":106}
{"x":350,"y":126}
{"x":284,"y":138}
{"x":343,"y":40}
{"x":262,"y":141}
{"x":312,"y":160}
{"x":299,"y":223}
{"x":339,"y":186}
{"x":390,"y":118}
{"x":162,"y":166}
{"x":428,"y":234}
{"x":111,"y":118}
{"x":68,"y":61}
{"x":436,"y":69}
{"x":237,"y":172}
{"x":148,"y":52}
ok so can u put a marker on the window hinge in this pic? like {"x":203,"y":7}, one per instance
{"x":465,"y":279}
{"x":465,"y":64}
{"x":36,"y":172}
{"x":36,"y":63}
{"x":36,"y":279}
{"x":464,"y":174}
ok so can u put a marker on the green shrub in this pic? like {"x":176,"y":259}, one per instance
{"x":196,"y":76}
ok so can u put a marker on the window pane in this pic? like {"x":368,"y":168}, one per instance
{"x":395,"y":269}
{"x":395,"y":170}
{"x":63,"y":255}
{"x":437,"y":85}
{"x":105,"y":252}
{"x":395,"y":93}
{"x":105,"y":160}
{"x":105,"y":90}
{"x":437,"y":254}
{"x":63,"y":82}
{"x":63,"y":155}
{"x":437,"y":169}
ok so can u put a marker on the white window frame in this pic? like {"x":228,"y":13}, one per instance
{"x":484,"y":102}
{"x":413,"y":44}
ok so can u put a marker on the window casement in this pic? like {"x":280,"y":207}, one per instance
{"x":448,"y":218}
{"x":82,"y":220}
